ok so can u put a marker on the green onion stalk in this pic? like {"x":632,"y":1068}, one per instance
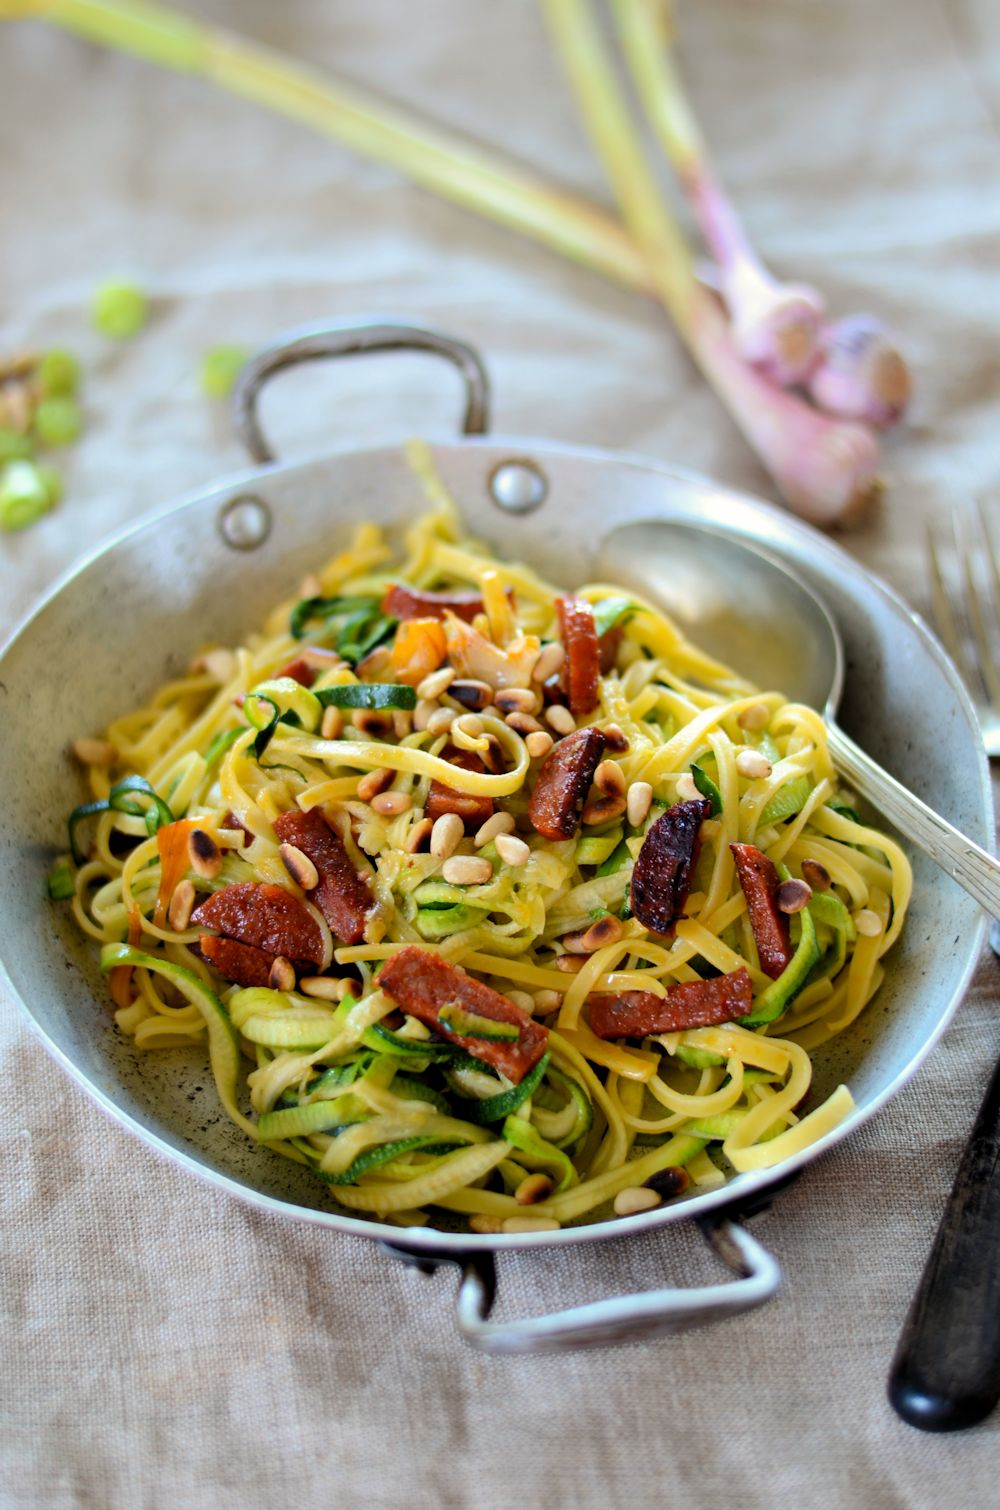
{"x":826,"y":469}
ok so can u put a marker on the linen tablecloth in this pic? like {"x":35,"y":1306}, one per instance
{"x":165,"y":1345}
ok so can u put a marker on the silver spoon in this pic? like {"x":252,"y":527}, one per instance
{"x":776,"y":631}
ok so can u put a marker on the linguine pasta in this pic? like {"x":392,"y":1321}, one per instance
{"x":407,"y":1112}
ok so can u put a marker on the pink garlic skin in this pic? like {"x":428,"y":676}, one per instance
{"x":861,"y":373}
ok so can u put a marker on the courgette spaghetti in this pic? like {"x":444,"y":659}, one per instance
{"x":386,"y":770}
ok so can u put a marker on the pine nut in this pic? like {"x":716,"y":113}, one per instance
{"x":471,"y":693}
{"x":94,"y":751}
{"x":512,"y":850}
{"x":609,"y":778}
{"x":517,"y":700}
{"x":370,"y":721}
{"x":486,"y":1225}
{"x":753,"y":764}
{"x":635,"y":1198}
{"x":203,"y":853}
{"x":333,"y":723}
{"x":638,"y":801}
{"x":320,"y":659}
{"x":282,"y":975}
{"x":440,"y":721}
{"x":322,"y":987}
{"x":686,"y":789}
{"x":532,"y":1189}
{"x":376,"y":781}
{"x":391,"y":804}
{"x":423,"y":713}
{"x":500,"y":823}
{"x":570,"y":963}
{"x":522,"y":999}
{"x":310,"y":586}
{"x":549,"y":662}
{"x":606,"y":930}
{"x":669,"y":1182}
{"x":299,"y":866}
{"x":402,"y":722}
{"x":181,"y":905}
{"x":446,"y":835}
{"x":538,"y":744}
{"x":437,"y":682}
{"x":603,"y":809}
{"x":467,"y":870}
{"x":792,"y":895}
{"x":418,"y":836}
{"x":347,"y":987}
{"x":817,"y":875}
{"x":868,"y":923}
{"x":560,"y":718}
{"x":547,"y":1001}
{"x":530,"y":1224}
{"x":524,"y":724}
{"x":615,"y":739}
{"x":755,"y":718}
{"x":220,"y":665}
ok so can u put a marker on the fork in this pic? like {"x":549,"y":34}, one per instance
{"x":946,"y":1372}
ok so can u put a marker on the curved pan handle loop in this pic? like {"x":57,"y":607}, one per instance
{"x":321,"y":341}
{"x":626,"y":1318}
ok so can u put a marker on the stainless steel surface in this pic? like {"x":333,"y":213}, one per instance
{"x":965,"y":571}
{"x":177,"y":584}
{"x":754,"y":613}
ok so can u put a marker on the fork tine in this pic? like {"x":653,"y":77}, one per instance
{"x":944,"y":618}
{"x":978,"y":619}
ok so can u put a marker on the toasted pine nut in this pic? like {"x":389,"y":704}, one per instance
{"x":610,"y":779}
{"x":547,"y":1001}
{"x":530,"y":1224}
{"x":467,"y":870}
{"x":376,"y":781}
{"x":615,"y":739}
{"x":371,"y":721}
{"x":500,"y":823}
{"x":299,"y":866}
{"x":756,"y":717}
{"x":94,"y":751}
{"x":181,"y":905}
{"x":522,"y":999}
{"x":471,"y":693}
{"x":203,"y":852}
{"x":638,"y":801}
{"x":603,"y":809}
{"x":549,"y":662}
{"x":517,"y":700}
{"x":532,"y":1189}
{"x":524,"y":724}
{"x":446,"y":835}
{"x":323,"y":987}
{"x":418,"y":836}
{"x":686,"y":789}
{"x":793,"y":895}
{"x":437,"y":682}
{"x":310,"y":586}
{"x":606,"y":930}
{"x":635,"y":1198}
{"x":570,"y":963}
{"x":440,"y":721}
{"x":321,"y":659}
{"x":423,"y":713}
{"x":512,"y":850}
{"x":220,"y":665}
{"x":753,"y":764}
{"x":868,"y":923}
{"x":282,"y":975}
{"x":333,"y":723}
{"x":560,"y":718}
{"x":817,"y":875}
{"x":391,"y":804}
{"x":485,"y":1224}
{"x":402,"y":722}
{"x":538,"y":744}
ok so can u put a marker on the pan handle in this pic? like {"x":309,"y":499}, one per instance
{"x":316,"y":342}
{"x":625,"y":1318}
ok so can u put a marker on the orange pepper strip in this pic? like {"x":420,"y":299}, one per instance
{"x":418,"y":649}
{"x":172,"y":843}
{"x":120,"y":979}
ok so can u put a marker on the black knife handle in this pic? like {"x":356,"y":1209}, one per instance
{"x":946,"y":1372}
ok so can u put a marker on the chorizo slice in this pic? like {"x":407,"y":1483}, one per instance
{"x":342,"y":896}
{"x":692,"y":1004}
{"x":402,"y":602}
{"x":472,"y":810}
{"x":242,"y":964}
{"x":563,"y":783}
{"x":661,"y":877}
{"x":759,"y":882}
{"x":267,"y":917}
{"x":583,"y":655}
{"x":421,"y":982}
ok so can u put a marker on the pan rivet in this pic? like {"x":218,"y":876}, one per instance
{"x":518,"y":486}
{"x":244,"y":522}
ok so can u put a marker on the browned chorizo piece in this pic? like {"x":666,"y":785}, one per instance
{"x":661,"y":878}
{"x":583,"y":655}
{"x":473,"y":811}
{"x":563,"y":783}
{"x":342,"y":896}
{"x":268,"y":917}
{"x":610,"y":644}
{"x":421,"y":982}
{"x":692,"y":1004}
{"x":240,"y":963}
{"x":300,"y":671}
{"x":402,"y":602}
{"x":759,"y":882}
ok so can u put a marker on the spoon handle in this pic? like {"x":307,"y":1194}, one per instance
{"x":973,"y":869}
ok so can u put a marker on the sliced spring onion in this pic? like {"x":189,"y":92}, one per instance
{"x":155,"y":815}
{"x":61,"y":884}
{"x":708,"y":789}
{"x":322,"y":610}
{"x":367,"y":695}
{"x":791,"y":797}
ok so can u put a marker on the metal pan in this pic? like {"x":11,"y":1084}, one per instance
{"x":205,"y":568}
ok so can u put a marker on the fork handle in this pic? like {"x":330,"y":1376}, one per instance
{"x":974,"y":870}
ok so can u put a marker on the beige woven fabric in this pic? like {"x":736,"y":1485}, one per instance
{"x":167,"y":1346}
